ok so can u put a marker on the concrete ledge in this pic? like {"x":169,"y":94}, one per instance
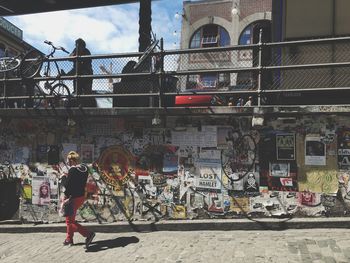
{"x":188,"y":225}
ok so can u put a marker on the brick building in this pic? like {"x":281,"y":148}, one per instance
{"x":221,"y":23}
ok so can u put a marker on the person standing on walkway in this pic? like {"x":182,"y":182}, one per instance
{"x":74,"y":183}
{"x":83,"y":67}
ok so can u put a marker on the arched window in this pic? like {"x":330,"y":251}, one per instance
{"x":210,"y":35}
{"x":250,"y":35}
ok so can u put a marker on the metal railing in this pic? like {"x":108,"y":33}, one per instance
{"x":272,"y":73}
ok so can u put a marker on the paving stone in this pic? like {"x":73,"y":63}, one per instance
{"x":329,"y":260}
{"x":181,"y":247}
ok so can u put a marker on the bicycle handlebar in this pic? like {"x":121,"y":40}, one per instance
{"x":54,"y":47}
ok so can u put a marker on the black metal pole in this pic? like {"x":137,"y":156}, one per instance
{"x":145,"y":28}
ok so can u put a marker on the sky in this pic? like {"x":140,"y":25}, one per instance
{"x":108,"y":29}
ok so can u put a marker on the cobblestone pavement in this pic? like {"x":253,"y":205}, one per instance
{"x":316,"y":245}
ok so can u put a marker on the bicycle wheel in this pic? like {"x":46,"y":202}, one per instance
{"x":8,"y":64}
{"x":126,"y":203}
{"x":38,"y":97}
{"x":61,"y":96}
{"x":240,"y":159}
{"x":31,"y":64}
{"x":145,"y":54}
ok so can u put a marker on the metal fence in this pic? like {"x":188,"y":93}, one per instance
{"x":271,"y":73}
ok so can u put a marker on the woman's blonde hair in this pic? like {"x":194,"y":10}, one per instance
{"x":73,"y":156}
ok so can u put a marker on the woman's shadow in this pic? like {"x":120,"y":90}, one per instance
{"x":111,"y":243}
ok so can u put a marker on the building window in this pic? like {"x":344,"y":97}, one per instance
{"x":209,"y":81}
{"x":246,"y":36}
{"x":250,"y":35}
{"x":209,"y":36}
{"x":196,"y":40}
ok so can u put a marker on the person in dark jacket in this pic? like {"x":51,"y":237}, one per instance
{"x":83,"y":67}
{"x":74,"y":183}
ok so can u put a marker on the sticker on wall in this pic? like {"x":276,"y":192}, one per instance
{"x":307,"y":198}
{"x":315,"y":151}
{"x":251,"y":183}
{"x":279,"y":169}
{"x":27,"y":192}
{"x":239,"y":205}
{"x":285,"y":146}
{"x":179,"y":212}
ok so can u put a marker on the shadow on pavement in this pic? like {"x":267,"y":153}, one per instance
{"x":112,"y":243}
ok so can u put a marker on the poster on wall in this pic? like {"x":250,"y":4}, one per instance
{"x":225,"y":136}
{"x":344,"y":149}
{"x":215,"y":203}
{"x":285,"y":146}
{"x":87,"y":153}
{"x":279,"y":169}
{"x":281,"y":178}
{"x":41,"y":190}
{"x":67,"y":147}
{"x":170,"y":163}
{"x":315,"y":151}
{"x":208,"y":176}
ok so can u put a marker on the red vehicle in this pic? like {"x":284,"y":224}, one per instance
{"x":192,"y":100}
{"x":199,"y":100}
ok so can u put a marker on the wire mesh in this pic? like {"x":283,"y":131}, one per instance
{"x":230,"y":73}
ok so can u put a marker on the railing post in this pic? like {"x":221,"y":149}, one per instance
{"x":77,"y":80}
{"x":161,"y":74}
{"x":260,"y":72}
{"x":4,"y":95}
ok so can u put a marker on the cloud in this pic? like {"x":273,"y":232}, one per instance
{"x":111,"y":29}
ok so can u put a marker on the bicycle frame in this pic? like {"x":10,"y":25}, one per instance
{"x":54,"y":70}
{"x":152,"y":46}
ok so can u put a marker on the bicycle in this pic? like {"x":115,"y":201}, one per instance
{"x":239,"y":158}
{"x":129,"y":195}
{"x":31,"y":66}
{"x":125,"y":201}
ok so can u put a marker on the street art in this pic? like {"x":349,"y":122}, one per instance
{"x":320,"y":181}
{"x":114,"y":164}
{"x":300,"y":170}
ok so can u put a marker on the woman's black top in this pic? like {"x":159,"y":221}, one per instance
{"x":76,"y":181}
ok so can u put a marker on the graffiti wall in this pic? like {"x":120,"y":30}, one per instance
{"x":195,"y":167}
